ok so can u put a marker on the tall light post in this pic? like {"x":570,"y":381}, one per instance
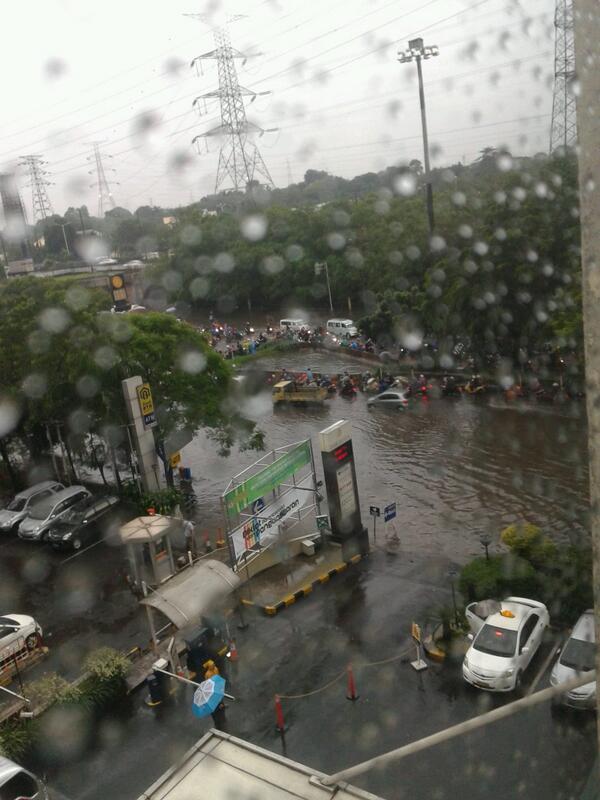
{"x":417,"y":51}
{"x":65,"y":238}
{"x":319,"y":265}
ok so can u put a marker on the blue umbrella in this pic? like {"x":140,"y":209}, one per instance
{"x":208,"y":695}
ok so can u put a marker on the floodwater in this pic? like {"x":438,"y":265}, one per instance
{"x":454,"y":466}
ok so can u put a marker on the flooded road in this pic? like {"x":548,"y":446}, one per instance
{"x":455,"y":466}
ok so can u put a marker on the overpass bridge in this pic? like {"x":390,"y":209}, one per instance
{"x":98,"y":276}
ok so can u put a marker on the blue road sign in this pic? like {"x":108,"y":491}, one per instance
{"x":389,"y":512}
{"x":258,"y":505}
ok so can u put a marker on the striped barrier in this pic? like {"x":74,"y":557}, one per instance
{"x":290,"y":599}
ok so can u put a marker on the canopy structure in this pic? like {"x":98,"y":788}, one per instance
{"x":193,"y":592}
{"x":150,"y":528}
{"x":149,"y":541}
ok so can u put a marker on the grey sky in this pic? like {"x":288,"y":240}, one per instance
{"x":119,"y":72}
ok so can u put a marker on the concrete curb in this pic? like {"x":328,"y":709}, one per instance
{"x":290,"y":599}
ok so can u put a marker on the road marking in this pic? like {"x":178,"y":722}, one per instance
{"x":89,"y":547}
{"x":545,"y":665}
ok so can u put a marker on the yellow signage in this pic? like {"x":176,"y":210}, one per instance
{"x":175,"y":459}
{"x":146,"y":404}
{"x":416,"y":632}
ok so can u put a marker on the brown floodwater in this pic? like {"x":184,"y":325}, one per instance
{"x":454,"y":466}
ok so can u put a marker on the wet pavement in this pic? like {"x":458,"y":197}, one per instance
{"x":455,"y":467}
{"x":364,"y":616}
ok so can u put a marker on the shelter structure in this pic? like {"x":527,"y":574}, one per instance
{"x":197,"y":591}
{"x":149,"y":548}
{"x":220,"y":766}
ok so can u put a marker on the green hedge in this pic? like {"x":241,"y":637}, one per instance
{"x":104,"y":684}
{"x":498,"y":577}
{"x":561,"y":578}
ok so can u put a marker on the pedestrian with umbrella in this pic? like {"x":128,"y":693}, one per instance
{"x":208,"y":697}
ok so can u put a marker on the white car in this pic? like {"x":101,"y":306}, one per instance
{"x":18,"y":631}
{"x":578,"y":656}
{"x":506,"y":642}
{"x":391,"y":398}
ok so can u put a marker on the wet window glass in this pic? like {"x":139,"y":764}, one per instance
{"x":300,"y":300}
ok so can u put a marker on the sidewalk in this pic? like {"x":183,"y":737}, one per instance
{"x":280,"y":586}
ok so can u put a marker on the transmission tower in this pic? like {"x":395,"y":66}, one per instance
{"x":105,"y":197}
{"x":239,"y":158}
{"x":564,"y":121}
{"x":41,"y":207}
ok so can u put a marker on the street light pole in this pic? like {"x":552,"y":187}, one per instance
{"x":318,"y":267}
{"x":416,"y":51}
{"x":65,"y":238}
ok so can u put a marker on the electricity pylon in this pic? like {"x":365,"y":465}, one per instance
{"x":105,"y":197}
{"x":563,"y":133}
{"x":239,"y":158}
{"x":41,"y":207}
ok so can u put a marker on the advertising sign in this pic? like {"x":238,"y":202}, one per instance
{"x":389,"y":512}
{"x":146,"y":402}
{"x":267,"y":480}
{"x":264,"y":528}
{"x":340,"y":480}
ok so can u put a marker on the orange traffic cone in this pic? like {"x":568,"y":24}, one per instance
{"x":233,"y":653}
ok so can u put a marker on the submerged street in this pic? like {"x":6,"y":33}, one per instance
{"x":454,"y":467}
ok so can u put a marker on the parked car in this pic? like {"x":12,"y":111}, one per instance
{"x":17,"y":783}
{"x":392,"y":398}
{"x":18,"y":508}
{"x":505,"y":644}
{"x":86,"y":522}
{"x":16,"y":632}
{"x":576,"y":657}
{"x":41,"y":515}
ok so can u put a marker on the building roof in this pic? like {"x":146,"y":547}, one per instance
{"x":143,"y":529}
{"x":222,"y":767}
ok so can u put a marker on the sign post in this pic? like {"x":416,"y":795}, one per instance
{"x":146,"y":402}
{"x":419,"y":664}
{"x":375,"y":512}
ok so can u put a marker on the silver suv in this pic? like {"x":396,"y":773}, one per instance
{"x":18,"y":508}
{"x":42,"y":515}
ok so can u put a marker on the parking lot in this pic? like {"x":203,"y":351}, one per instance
{"x":363,"y":616}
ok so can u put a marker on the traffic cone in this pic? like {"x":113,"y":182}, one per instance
{"x":351,"y":690}
{"x":233,"y":653}
{"x":220,"y":540}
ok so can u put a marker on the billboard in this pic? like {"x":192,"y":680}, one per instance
{"x":267,"y":480}
{"x":264,"y":528}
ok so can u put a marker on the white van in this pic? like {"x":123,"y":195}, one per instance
{"x":342,"y":328}
{"x":293,"y":325}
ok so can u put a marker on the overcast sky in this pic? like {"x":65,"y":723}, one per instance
{"x":77,"y":71}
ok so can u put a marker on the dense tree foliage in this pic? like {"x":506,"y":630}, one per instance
{"x":502,"y":269}
{"x":68,"y":356}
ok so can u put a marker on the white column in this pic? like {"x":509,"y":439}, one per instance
{"x":143,"y":437}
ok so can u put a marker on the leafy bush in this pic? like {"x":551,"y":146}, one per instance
{"x":52,"y":688}
{"x":526,"y":540}
{"x":16,"y":738}
{"x":105,"y":681}
{"x":163,"y":501}
{"x":497,"y":577}
{"x":107,"y":664}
